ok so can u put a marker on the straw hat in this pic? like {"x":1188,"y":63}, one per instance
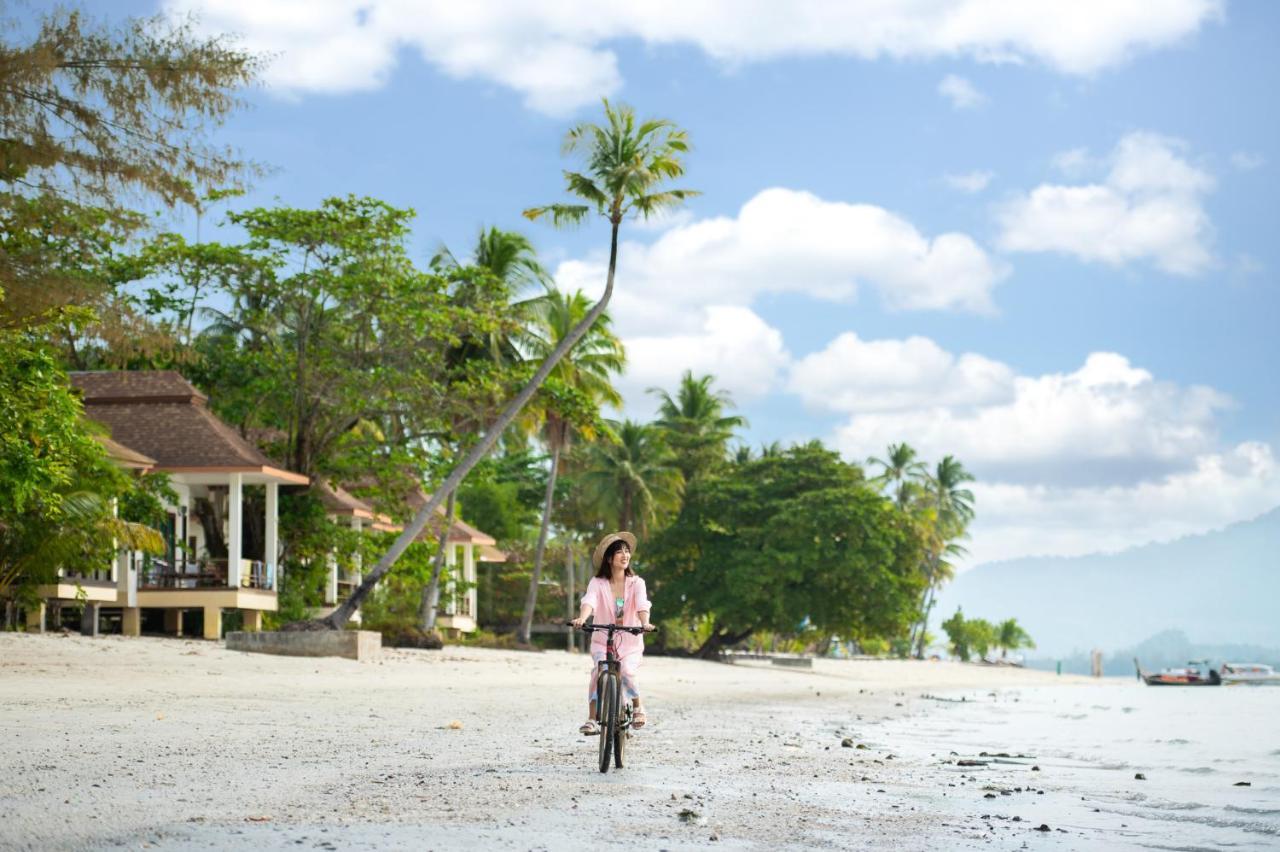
{"x":608,"y":540}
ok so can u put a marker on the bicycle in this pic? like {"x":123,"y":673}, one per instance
{"x":612,"y":712}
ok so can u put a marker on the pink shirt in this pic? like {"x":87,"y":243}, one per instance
{"x":599,"y":596}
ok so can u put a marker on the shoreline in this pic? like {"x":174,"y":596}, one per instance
{"x":182,"y":744}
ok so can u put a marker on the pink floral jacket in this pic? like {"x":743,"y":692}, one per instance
{"x":599,"y":596}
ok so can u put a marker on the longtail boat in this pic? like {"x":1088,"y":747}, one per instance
{"x":1194,"y":674}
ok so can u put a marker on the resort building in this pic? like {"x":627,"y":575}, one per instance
{"x":221,"y":534}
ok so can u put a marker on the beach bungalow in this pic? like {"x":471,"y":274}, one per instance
{"x":464,"y":547}
{"x":218,"y":559}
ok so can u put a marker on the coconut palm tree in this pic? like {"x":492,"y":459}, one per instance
{"x":900,"y":471}
{"x":627,"y":162}
{"x":950,"y":507}
{"x":697,"y":429}
{"x":585,"y":376}
{"x":1010,"y":636}
{"x":513,"y":262}
{"x":633,"y":478}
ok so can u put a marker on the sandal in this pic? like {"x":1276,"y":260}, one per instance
{"x":637,"y":719}
{"x":589,"y":728}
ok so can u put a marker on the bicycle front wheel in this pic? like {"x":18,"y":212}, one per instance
{"x":621,"y":726}
{"x":607,"y":709}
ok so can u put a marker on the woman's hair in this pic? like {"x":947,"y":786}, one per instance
{"x":605,"y":569}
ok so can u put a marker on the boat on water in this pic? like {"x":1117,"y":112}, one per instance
{"x":1254,"y":674}
{"x":1195,"y":673}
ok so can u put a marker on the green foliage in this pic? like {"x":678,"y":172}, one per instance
{"x":1010,"y":636}
{"x":792,"y":539}
{"x":495,"y":508}
{"x":630,"y":476}
{"x":93,"y":116}
{"x":55,"y":479}
{"x":695,"y":426}
{"x":625,"y":163}
{"x":969,"y":636}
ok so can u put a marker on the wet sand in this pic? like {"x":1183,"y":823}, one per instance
{"x":176,"y":744}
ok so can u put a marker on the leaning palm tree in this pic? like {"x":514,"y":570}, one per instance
{"x":697,"y":428}
{"x":586,"y":376}
{"x":627,"y":162}
{"x":900,"y":472}
{"x":512,"y":262}
{"x":634,"y":477}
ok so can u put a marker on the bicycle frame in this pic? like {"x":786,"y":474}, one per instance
{"x":615,"y":721}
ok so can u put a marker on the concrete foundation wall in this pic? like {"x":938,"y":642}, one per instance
{"x":352,"y":644}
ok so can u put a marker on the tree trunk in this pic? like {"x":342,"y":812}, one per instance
{"x":924,"y":622}
{"x":341,"y":615}
{"x":570,"y":592}
{"x":523,"y":635}
{"x":710,"y":649}
{"x":429,"y":606}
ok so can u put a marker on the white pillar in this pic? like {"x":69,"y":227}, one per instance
{"x":357,"y":575}
{"x":469,"y":578}
{"x":235,"y":529}
{"x":126,"y":579}
{"x":451,"y":587}
{"x":115,"y":563}
{"x":271,"y":550}
{"x":331,"y":587}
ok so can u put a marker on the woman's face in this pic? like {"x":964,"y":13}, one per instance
{"x":621,"y":558}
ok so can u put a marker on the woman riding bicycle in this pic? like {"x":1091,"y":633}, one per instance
{"x":615,"y":595}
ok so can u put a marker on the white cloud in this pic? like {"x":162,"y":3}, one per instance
{"x":1218,"y":489}
{"x":960,"y":92}
{"x":852,"y":375}
{"x":785,"y":241}
{"x":970,"y":182}
{"x":557,"y":56}
{"x":1074,"y":162}
{"x":1247,"y":161}
{"x":743,"y":352}
{"x":1100,"y":458}
{"x":1149,"y":207}
{"x":1105,"y":422}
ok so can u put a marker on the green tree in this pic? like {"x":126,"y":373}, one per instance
{"x":1010,"y":636}
{"x":56,"y":481}
{"x":93,"y":116}
{"x":788,"y":540}
{"x":580,"y":383}
{"x":627,"y":162}
{"x":947,"y":510}
{"x":970,"y":636}
{"x":901,"y":472}
{"x":696,"y":426}
{"x":630,"y":475}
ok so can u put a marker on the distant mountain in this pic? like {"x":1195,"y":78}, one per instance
{"x":1222,"y":588}
{"x":1164,"y":650}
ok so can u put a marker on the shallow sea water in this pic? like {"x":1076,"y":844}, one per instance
{"x":1194,"y":746}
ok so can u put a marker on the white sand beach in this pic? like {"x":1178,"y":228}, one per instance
{"x":181,"y":744}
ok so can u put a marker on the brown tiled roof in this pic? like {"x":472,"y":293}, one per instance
{"x":135,"y":385}
{"x":123,"y":456}
{"x":161,"y":414}
{"x":460,"y":532}
{"x":339,"y":500}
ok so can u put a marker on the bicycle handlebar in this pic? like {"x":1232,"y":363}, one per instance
{"x":612,"y":628}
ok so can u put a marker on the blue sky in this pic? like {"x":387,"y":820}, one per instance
{"x":1039,"y":238}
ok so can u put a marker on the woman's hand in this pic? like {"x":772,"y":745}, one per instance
{"x":577,"y":622}
{"x":650,"y":628}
